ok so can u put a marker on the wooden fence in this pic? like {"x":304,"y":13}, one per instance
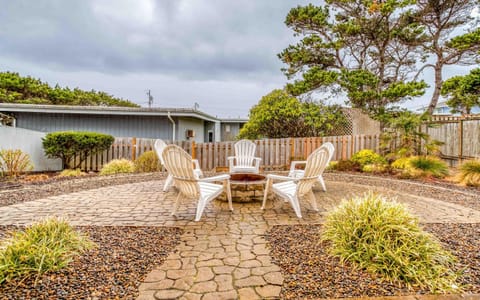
{"x":276,"y":154}
{"x":460,"y":135}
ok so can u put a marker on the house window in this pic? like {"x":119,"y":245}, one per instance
{"x":210,"y":136}
{"x":227,"y":128}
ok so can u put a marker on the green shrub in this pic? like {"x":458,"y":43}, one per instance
{"x":71,"y":173}
{"x":382,"y":237}
{"x":117,"y":166}
{"x":14,"y":162}
{"x":375,"y":168}
{"x":45,"y":246}
{"x":469,"y":173}
{"x":427,"y":166}
{"x":67,"y":145}
{"x":148,"y":162}
{"x":368,"y":157}
{"x":346,"y":165}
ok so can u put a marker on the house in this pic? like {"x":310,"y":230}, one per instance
{"x":182,"y":124}
{"x":442,"y":109}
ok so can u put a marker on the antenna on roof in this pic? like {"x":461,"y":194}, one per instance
{"x":196,"y":106}
{"x":150,"y":99}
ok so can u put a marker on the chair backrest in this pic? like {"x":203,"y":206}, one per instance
{"x":317,"y":161}
{"x":159,"y":146}
{"x":179,"y":165}
{"x":245,"y":152}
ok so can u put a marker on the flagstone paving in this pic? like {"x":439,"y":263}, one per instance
{"x":224,"y":255}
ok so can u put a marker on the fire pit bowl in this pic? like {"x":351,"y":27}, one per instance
{"x":246,"y":187}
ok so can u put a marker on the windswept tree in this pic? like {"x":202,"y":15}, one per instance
{"x":363,"y":48}
{"x":463,"y":92}
{"x":450,"y":37}
{"x":280,"y":115}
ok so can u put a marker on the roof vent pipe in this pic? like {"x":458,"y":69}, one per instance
{"x":173,"y":123}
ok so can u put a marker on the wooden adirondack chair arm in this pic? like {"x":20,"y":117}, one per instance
{"x":215,"y":178}
{"x":279,"y":177}
{"x":196,"y":163}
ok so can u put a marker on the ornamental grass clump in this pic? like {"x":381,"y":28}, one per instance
{"x":382,"y":237}
{"x":71,"y":173}
{"x":45,"y":246}
{"x":469,"y":173}
{"x":148,"y":162}
{"x":428,"y":166}
{"x":117,"y":166}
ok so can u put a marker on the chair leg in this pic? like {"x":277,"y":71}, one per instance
{"x":322,"y":183}
{"x":229,"y":194}
{"x":265,"y":193}
{"x":296,"y":206}
{"x":313,"y":201}
{"x":168,"y":183}
{"x":175,"y":205}
{"x":200,"y":207}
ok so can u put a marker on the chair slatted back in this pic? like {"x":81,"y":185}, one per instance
{"x":317,"y":161}
{"x":159,"y":146}
{"x":179,"y":164}
{"x":245,"y":152}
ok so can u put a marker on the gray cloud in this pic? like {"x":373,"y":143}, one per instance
{"x":199,"y":39}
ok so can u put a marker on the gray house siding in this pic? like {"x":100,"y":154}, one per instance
{"x":196,"y":125}
{"x":230,"y":130}
{"x":116,"y":125}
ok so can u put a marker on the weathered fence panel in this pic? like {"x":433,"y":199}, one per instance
{"x":276,"y":154}
{"x":460,"y":135}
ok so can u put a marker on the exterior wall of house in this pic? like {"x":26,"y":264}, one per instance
{"x":116,"y":125}
{"x":29,"y":142}
{"x":188,"y":124}
{"x":230,"y":130}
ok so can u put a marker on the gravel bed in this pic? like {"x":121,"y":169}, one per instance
{"x":21,"y":192}
{"x":113,"y":270}
{"x":309,"y":273}
{"x":466,"y":196}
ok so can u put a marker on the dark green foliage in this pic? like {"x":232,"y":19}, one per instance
{"x":27,"y":90}
{"x":280,"y":115}
{"x":68,"y":144}
{"x":351,"y":46}
{"x":463,"y":92}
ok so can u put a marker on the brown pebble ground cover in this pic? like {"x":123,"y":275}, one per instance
{"x":113,"y":270}
{"x":310,"y":273}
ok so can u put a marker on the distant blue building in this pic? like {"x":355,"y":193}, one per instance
{"x":444,"y":110}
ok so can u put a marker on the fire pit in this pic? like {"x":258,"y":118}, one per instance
{"x":246,"y":187}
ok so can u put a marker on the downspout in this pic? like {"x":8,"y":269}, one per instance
{"x":173,"y":123}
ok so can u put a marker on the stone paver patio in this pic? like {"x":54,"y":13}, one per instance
{"x":224,"y":256}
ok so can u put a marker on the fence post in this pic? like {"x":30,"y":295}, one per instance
{"x":460,"y":140}
{"x":194,"y":151}
{"x":134,"y":148}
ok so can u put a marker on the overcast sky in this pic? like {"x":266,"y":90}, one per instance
{"x":220,"y":54}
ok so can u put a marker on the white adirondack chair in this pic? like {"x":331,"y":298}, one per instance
{"x":293,"y":189}
{"x":179,"y":165}
{"x":244,"y":160}
{"x":159,"y":146}
{"x":294,"y":173}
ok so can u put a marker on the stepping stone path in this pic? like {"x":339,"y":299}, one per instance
{"x":224,"y":255}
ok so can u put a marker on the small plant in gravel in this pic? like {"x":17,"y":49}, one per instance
{"x":148,"y":162}
{"x":427,"y":166}
{"x":382,"y":237}
{"x":14,"y":162}
{"x":71,"y":173}
{"x":117,"y":166}
{"x":368,"y":157}
{"x":469,"y":173}
{"x":45,"y":246}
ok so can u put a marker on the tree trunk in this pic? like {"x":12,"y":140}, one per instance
{"x":437,"y":88}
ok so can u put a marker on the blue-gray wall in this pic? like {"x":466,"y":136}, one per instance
{"x":119,"y":126}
